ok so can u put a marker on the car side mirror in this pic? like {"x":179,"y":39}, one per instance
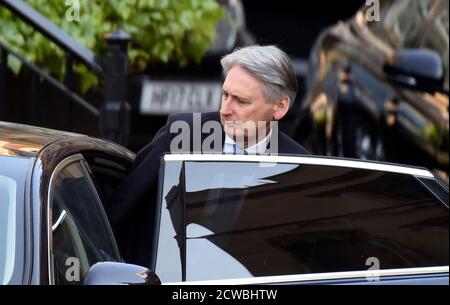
{"x":113,"y":273}
{"x":416,"y":69}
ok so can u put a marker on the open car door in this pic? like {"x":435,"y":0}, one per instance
{"x":242,"y":219}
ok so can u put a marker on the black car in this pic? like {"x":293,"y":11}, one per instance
{"x":228,"y":219}
{"x":378,"y":89}
{"x":53,"y":226}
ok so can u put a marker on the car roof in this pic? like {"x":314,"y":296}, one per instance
{"x":28,"y":141}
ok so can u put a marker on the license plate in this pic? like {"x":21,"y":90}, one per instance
{"x":165,"y":97}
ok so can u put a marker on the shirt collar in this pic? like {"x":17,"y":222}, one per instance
{"x":258,"y":148}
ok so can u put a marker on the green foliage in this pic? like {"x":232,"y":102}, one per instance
{"x":162,"y":30}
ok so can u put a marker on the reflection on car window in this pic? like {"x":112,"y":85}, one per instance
{"x":8,"y":190}
{"x":245,"y":219}
{"x":204,"y":257}
{"x":13,"y":175}
{"x":78,"y":226}
{"x":168,"y":265}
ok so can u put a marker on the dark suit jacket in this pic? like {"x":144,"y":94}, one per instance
{"x":133,"y":204}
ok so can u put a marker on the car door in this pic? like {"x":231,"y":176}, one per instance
{"x":79,"y":235}
{"x":228,"y":219}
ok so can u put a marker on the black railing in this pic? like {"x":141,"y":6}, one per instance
{"x":114,"y":114}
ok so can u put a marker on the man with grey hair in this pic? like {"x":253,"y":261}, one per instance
{"x":259,"y":88}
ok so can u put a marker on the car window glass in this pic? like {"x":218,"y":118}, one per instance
{"x":244,"y":219}
{"x":8,"y":191}
{"x":13,"y":179}
{"x":79,"y":228}
{"x":168,"y":264}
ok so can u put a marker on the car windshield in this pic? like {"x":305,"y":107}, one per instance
{"x":13,"y":173}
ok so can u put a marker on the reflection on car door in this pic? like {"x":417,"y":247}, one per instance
{"x":80,"y":234}
{"x":255,"y":218}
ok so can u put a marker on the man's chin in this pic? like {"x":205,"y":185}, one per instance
{"x":235,"y":133}
{"x":230,"y":131}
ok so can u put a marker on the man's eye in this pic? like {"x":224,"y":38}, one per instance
{"x":225,"y":95}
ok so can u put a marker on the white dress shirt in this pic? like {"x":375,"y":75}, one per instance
{"x":259,"y":148}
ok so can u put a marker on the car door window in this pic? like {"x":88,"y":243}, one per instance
{"x":241,"y":219}
{"x":81,"y":235}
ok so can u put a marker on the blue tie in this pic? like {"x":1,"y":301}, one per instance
{"x":238,"y":150}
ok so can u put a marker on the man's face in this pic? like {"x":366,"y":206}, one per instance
{"x":243,"y":101}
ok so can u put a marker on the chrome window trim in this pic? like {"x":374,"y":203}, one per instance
{"x":61,"y":166}
{"x":370,"y":165}
{"x":432,"y":192}
{"x":60,"y":219}
{"x":320,"y":276}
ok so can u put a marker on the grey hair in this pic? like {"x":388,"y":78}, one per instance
{"x":270,"y":65}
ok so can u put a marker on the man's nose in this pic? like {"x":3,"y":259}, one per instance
{"x":226,"y":109}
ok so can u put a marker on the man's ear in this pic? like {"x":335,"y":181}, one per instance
{"x":281,"y":107}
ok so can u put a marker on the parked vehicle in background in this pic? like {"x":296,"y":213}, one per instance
{"x":378,"y":90}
